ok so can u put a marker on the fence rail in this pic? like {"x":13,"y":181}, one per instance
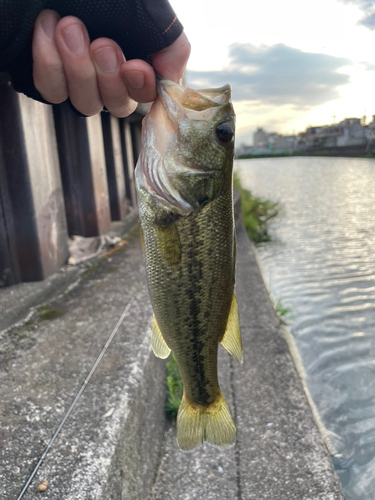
{"x":60,"y":175}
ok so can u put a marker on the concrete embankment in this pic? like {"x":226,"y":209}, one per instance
{"x":110,"y":443}
{"x":356,"y":151}
{"x":116,"y":443}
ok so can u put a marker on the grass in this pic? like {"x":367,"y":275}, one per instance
{"x":45,"y":313}
{"x":256,"y":212}
{"x":174,"y":388}
{"x":284,"y":313}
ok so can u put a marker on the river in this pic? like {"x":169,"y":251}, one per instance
{"x":321,"y":264}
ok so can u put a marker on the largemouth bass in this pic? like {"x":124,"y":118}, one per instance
{"x":184,"y":186}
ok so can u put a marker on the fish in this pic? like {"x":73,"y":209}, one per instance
{"x":185,"y":203}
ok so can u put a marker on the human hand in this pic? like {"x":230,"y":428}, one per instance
{"x":94,"y":75}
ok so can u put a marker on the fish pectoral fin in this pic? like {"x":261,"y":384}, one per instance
{"x":231,"y":340}
{"x":170,"y":244}
{"x":158,"y":344}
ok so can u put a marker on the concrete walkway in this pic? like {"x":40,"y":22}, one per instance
{"x":279,"y":452}
{"x":116,"y":443}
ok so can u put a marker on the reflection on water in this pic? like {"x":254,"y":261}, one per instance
{"x":321,"y":264}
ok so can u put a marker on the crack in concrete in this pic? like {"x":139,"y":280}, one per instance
{"x":237,"y":445}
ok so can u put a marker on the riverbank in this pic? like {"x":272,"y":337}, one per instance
{"x":117,"y":442}
{"x":320,"y":263}
{"x":342,"y":151}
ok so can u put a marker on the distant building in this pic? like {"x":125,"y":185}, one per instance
{"x":284,"y":142}
{"x":370,"y":132}
{"x":322,"y":136}
{"x":353,"y":132}
{"x":272,"y":141}
{"x":260,"y":139}
{"x":348,"y":132}
{"x":310,"y":136}
{"x":300,"y":142}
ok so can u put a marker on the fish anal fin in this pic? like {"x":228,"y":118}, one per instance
{"x":196,"y":424}
{"x":158,"y":344}
{"x":231,"y":340}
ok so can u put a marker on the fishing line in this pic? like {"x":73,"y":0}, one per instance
{"x":66,"y":416}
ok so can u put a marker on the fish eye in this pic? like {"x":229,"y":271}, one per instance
{"x":224,"y":132}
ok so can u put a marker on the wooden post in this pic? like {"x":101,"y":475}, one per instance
{"x":136,"y":133}
{"x":115,"y":171}
{"x":33,"y":215}
{"x":128,"y":160}
{"x":9,"y":269}
{"x":82,"y":163}
{"x":99,"y":173}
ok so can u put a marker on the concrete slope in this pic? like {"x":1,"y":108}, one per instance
{"x":109,"y":445}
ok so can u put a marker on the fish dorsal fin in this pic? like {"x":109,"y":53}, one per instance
{"x":158,"y":344}
{"x":231,"y":340}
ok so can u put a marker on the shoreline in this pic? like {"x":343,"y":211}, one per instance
{"x":331,"y":152}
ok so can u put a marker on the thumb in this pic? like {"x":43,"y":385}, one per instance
{"x":171,"y":61}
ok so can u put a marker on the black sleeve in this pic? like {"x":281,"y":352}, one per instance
{"x":140,"y":27}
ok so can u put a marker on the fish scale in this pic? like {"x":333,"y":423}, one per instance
{"x":189,"y":251}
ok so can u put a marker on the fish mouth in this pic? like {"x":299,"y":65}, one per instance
{"x":190,"y":99}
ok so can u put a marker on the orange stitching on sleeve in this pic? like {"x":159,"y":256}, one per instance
{"x":164,"y":32}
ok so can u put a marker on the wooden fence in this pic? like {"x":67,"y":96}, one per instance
{"x":60,"y":175}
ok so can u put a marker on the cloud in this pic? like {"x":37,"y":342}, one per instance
{"x":369,"y":66}
{"x":368,"y":21}
{"x":277,"y":75}
{"x":368,"y":8}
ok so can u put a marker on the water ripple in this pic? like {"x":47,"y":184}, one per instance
{"x":321,"y":264}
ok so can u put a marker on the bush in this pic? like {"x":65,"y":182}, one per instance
{"x":256,"y":212}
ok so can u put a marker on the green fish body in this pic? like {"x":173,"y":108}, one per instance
{"x":184,"y":186}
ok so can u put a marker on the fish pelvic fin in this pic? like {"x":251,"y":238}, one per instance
{"x":231,"y":340}
{"x":158,"y":344}
{"x":197,"y":424}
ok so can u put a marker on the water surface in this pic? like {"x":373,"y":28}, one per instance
{"x":321,"y":264}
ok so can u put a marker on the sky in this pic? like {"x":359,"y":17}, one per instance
{"x":291,"y":64}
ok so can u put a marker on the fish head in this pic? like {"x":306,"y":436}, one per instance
{"x":188,"y":145}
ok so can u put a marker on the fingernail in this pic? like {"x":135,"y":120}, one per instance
{"x":74,"y":39}
{"x":135,"y":79}
{"x":49,"y":25}
{"x":106,"y":59}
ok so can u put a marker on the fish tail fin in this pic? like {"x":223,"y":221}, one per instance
{"x":213,"y":423}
